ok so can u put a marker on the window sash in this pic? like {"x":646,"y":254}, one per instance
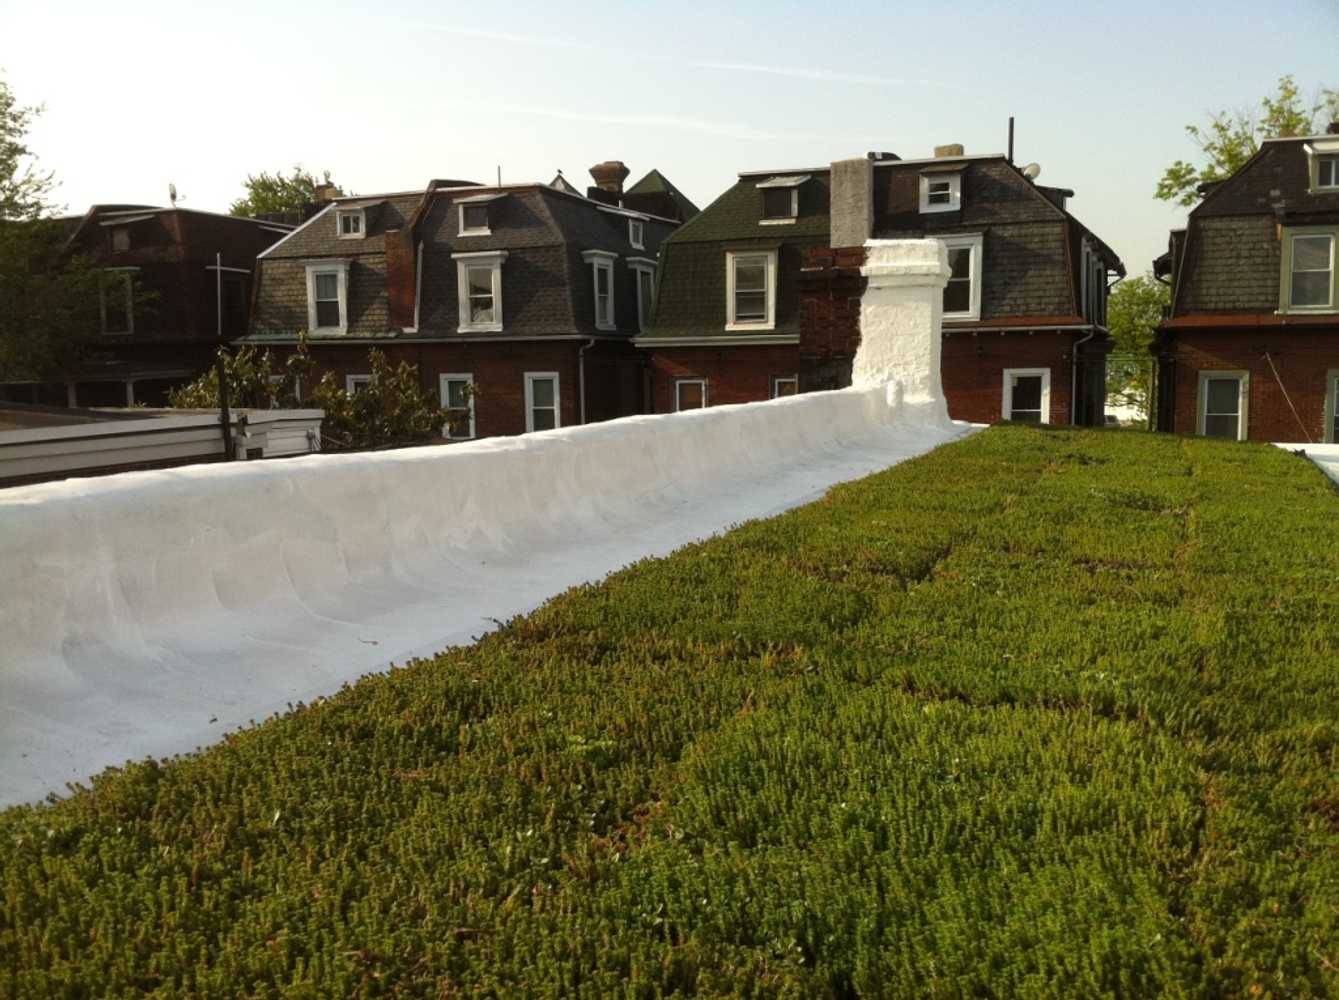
{"x":1327,"y":171}
{"x":325,"y":292}
{"x":1222,"y":404}
{"x":480,"y":294}
{"x":752,"y":296}
{"x":635,"y":234}
{"x":958,"y":289}
{"x":541,"y":401}
{"x":778,"y":203}
{"x":939,"y":193}
{"x":473,"y":218}
{"x":1313,"y":285}
{"x":604,"y":294}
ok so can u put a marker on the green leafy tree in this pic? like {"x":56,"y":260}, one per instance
{"x":1134,"y":311}
{"x":48,"y":300}
{"x":1230,"y":138}
{"x":390,"y":410}
{"x":266,"y":192}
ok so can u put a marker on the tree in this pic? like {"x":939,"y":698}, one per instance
{"x":274,"y":192}
{"x":1230,"y":138}
{"x":391,"y":409}
{"x":48,"y":299}
{"x":1134,"y":311}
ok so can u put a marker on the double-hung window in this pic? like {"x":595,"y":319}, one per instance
{"x":328,"y":296}
{"x":690,"y":394}
{"x":1223,"y":398}
{"x":637,"y":234}
{"x":542,"y":401}
{"x":962,"y":293}
{"x":1027,"y":395}
{"x":479,"y":288}
{"x":602,"y":267}
{"x":1309,"y":270}
{"x":117,"y":294}
{"x":457,"y":391}
{"x":644,"y":271}
{"x":751,"y":290}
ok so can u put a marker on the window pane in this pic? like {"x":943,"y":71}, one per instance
{"x":1221,"y":427}
{"x":481,"y":309}
{"x":690,"y":395}
{"x":602,"y":280}
{"x":1026,"y":395}
{"x":542,"y":420}
{"x":327,"y":286}
{"x":957,"y":296}
{"x":1311,"y":253}
{"x":1328,"y":171}
{"x":481,"y":280}
{"x":327,"y":313}
{"x":750,"y":276}
{"x":939,"y":193}
{"x":1311,"y":288}
{"x":541,"y":392}
{"x":750,"y":305}
{"x":960,"y":262}
{"x":1223,"y":395}
{"x":476,"y":217}
{"x":455,"y":393}
{"x":776,"y":203}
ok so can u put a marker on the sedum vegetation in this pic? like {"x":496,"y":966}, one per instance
{"x":1044,"y":713}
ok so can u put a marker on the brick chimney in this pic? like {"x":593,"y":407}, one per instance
{"x":610,"y":175}
{"x":401,"y":272}
{"x":327,"y":192}
{"x":952,"y":149}
{"x":851,"y":211}
{"x":1333,"y":129}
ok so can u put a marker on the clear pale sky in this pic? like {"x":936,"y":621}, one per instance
{"x":387,"y":95}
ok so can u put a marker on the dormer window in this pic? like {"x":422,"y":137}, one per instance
{"x":636,"y":233}
{"x":351,"y":224}
{"x":941,"y":191}
{"x":474,"y":220}
{"x":1327,"y":172}
{"x":781,"y":199}
{"x":1322,"y":155}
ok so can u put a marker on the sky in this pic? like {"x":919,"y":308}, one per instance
{"x":388,"y":95}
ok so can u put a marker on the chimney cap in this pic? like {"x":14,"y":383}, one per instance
{"x":951,"y":149}
{"x":610,"y":175}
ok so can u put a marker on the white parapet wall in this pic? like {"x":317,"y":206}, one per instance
{"x":146,"y":613}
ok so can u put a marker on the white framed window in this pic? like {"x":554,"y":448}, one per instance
{"x":690,"y":394}
{"x":780,"y":199}
{"x":1327,"y":172}
{"x":1311,"y":274}
{"x":962,"y":293}
{"x":1223,"y":404}
{"x":473,"y":219}
{"x":328,"y":296}
{"x":120,"y":239}
{"x":542,"y":398}
{"x":785,"y":385}
{"x":457,"y":391}
{"x":116,"y":300}
{"x":1322,"y":160}
{"x":354,"y":384}
{"x":941,"y":192}
{"x":479,"y":290}
{"x":645,"y":273}
{"x":602,"y":285}
{"x":1332,"y":406}
{"x":637,"y":234}
{"x":276,"y":382}
{"x":750,"y":280}
{"x":1027,"y":395}
{"x":350,"y":223}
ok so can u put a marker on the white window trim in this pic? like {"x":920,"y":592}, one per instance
{"x":1243,"y":398}
{"x":954,"y":192}
{"x":1317,"y":149}
{"x":638,"y":227}
{"x":602,"y":260}
{"x":127,"y":277}
{"x":679,"y":383}
{"x":1006,"y":397}
{"x":495,"y":259}
{"x":1293,"y":237}
{"x":351,"y":382}
{"x":976,"y":243}
{"x":769,"y":322}
{"x":442,"y":381}
{"x":484,"y":230}
{"x":778,"y":379}
{"x":530,"y":379}
{"x":640,"y":266}
{"x":341,"y":268}
{"x":794,"y":211}
{"x":355,"y":213}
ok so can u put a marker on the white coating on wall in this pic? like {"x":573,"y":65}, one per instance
{"x":149,"y":613}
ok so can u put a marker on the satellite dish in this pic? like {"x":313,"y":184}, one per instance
{"x":172,"y":193}
{"x":1031,"y":171}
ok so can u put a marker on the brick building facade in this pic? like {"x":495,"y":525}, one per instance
{"x":527,"y":294}
{"x":1250,"y":348}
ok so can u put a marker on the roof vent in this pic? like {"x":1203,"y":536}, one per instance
{"x":952,"y":149}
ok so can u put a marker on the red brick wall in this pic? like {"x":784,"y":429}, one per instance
{"x":1302,"y":358}
{"x":973,"y":371}
{"x":830,"y":289}
{"x":733,"y":374}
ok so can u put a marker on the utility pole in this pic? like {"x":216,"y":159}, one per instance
{"x":225,"y":418}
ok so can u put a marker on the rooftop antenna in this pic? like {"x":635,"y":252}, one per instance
{"x":1011,"y":138}
{"x":499,"y":175}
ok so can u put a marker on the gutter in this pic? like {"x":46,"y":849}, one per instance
{"x":581,"y":374}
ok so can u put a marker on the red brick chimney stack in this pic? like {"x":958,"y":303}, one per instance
{"x":610,"y":175}
{"x":1333,"y":129}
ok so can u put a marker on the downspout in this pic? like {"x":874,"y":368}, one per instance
{"x":581,"y":374}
